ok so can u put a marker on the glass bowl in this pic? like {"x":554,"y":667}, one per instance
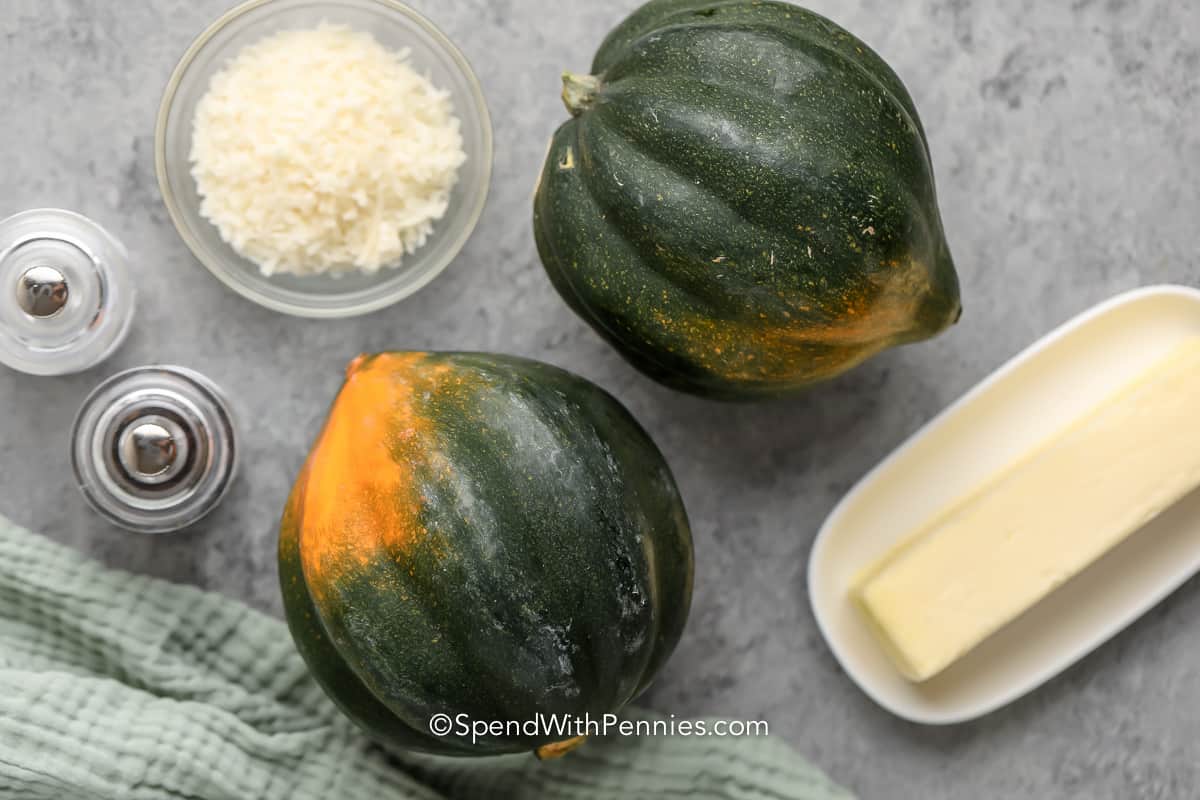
{"x":395,"y":26}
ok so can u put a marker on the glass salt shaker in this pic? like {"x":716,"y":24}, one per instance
{"x":154,"y":449}
{"x":66,"y":297}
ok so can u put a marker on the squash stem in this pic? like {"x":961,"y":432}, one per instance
{"x":579,"y":92}
{"x":549,"y":752}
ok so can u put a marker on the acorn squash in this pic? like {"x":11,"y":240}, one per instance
{"x":485,"y":536}
{"x":743,"y":201}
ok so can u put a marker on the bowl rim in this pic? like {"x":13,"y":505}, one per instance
{"x":219,"y":271}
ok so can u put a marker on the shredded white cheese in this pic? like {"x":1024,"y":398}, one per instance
{"x":322,"y":151}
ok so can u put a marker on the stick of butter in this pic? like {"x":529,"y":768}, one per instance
{"x":982,"y":563}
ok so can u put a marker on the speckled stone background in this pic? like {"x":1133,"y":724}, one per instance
{"x":1067,"y":143}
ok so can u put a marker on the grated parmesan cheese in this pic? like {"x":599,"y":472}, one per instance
{"x":322,"y":151}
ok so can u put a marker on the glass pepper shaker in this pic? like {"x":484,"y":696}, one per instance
{"x":154,"y":449}
{"x":66,"y":297}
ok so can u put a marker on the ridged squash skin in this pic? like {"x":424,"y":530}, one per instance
{"x":482,"y":535}
{"x":743,"y":202}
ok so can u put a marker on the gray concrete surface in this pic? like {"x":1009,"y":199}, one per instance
{"x":1067,"y":143}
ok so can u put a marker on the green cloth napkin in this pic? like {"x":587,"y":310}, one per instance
{"x":121,"y":686}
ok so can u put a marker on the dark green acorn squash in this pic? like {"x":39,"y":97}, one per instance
{"x":743,"y":202}
{"x":484,"y":536}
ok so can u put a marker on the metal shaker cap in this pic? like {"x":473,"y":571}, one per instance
{"x":155,"y":449}
{"x":66,"y":298}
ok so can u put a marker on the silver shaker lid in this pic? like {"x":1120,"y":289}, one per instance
{"x":155,"y":449}
{"x":66,"y":298}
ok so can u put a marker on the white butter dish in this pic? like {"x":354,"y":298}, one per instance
{"x":1040,"y":392}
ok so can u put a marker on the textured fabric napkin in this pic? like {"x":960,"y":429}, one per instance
{"x":125,"y":687}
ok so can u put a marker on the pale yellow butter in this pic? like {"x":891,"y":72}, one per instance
{"x":977,"y":567}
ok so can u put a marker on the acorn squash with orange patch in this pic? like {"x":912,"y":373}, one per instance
{"x":484,"y":536}
{"x":743,"y":201}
